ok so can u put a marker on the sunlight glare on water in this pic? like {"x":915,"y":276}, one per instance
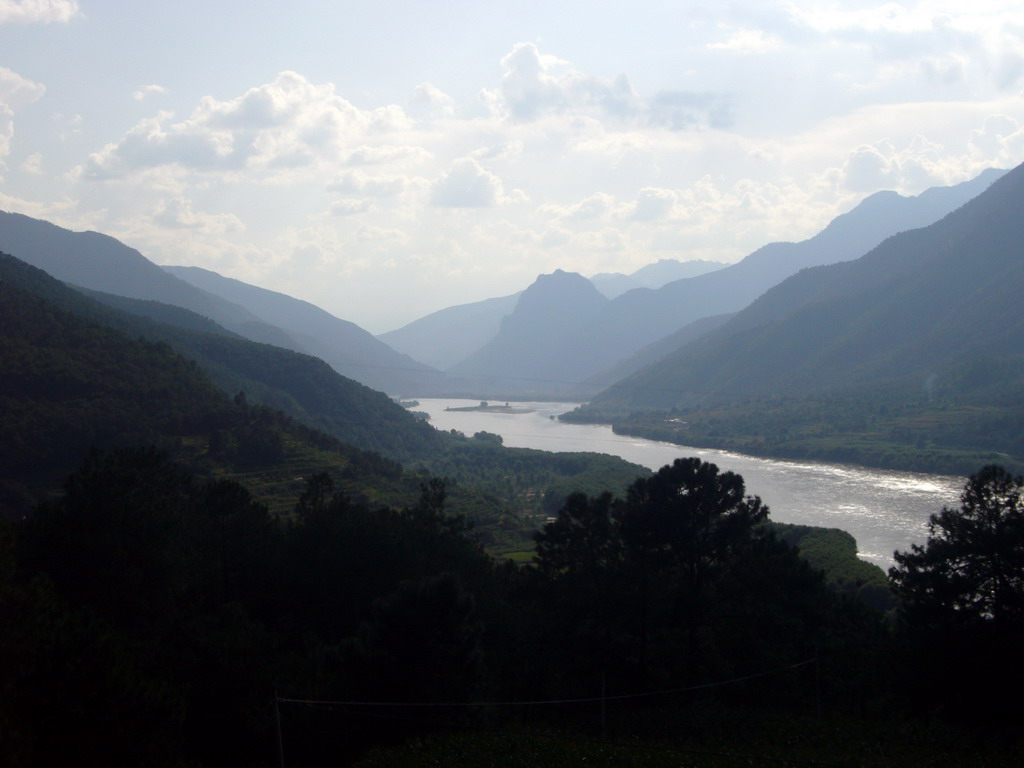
{"x":884,"y":510}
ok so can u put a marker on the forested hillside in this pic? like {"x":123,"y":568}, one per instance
{"x":300,"y":385}
{"x":344,"y":346}
{"x":102,"y":263}
{"x":108,"y":371}
{"x":567,"y":339}
{"x":920,"y":341}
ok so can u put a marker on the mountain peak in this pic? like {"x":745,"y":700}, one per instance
{"x":558,"y":294}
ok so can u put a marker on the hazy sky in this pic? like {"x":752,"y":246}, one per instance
{"x":385,"y":159}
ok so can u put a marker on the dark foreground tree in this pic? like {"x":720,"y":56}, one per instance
{"x":970,"y":573}
{"x":678,"y":584}
{"x":962,"y":600}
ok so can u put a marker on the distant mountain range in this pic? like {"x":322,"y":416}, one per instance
{"x":102,"y":263}
{"x":346,"y":347}
{"x":444,"y":338}
{"x":932,"y":310}
{"x":519,"y":358}
{"x":562,"y":338}
{"x":655,"y":275}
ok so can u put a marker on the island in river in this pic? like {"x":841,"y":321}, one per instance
{"x":486,"y":407}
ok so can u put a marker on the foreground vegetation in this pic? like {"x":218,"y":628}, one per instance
{"x":154,"y":618}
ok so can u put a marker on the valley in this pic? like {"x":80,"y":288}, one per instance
{"x":196,"y":463}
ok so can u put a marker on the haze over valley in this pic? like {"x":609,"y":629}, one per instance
{"x":390,"y":384}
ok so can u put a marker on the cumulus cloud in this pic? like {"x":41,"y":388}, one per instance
{"x":383,"y":154}
{"x":33,"y":164}
{"x":1009,"y":69}
{"x":37,"y":11}
{"x":999,"y":141}
{"x":591,"y":207}
{"x":535,"y":84}
{"x":348,"y":206}
{"x":15,"y":92}
{"x":286,"y":124}
{"x":924,"y":163}
{"x":869,"y":168}
{"x":653,"y":204}
{"x":178,"y":213}
{"x":505,"y":151}
{"x":429,"y":101}
{"x":748,"y":42}
{"x":148,"y":90}
{"x":678,"y":110}
{"x":357,"y":182}
{"x":467,"y":185}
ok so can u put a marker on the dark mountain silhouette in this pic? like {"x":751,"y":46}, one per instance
{"x":350,"y":350}
{"x":102,"y":263}
{"x":575,"y":340}
{"x":299,"y":385}
{"x":642,"y":316}
{"x":78,"y":374}
{"x":444,"y":338}
{"x":530,"y":354}
{"x":933,"y":308}
{"x":652,"y":353}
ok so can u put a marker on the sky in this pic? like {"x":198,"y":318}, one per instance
{"x":386,"y":159}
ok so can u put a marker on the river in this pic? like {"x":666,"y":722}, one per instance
{"x":884,"y":510}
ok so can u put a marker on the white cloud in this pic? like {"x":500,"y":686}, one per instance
{"x":33,"y":164}
{"x":535,"y":84}
{"x":348,"y":206}
{"x":1009,"y":69}
{"x":178,"y":213}
{"x":429,"y":101}
{"x":15,"y":92}
{"x":653,"y":204}
{"x":357,"y":182}
{"x":678,"y":110}
{"x":289,"y":123}
{"x":999,"y":141}
{"x":467,"y":185}
{"x":384,"y":154}
{"x":748,"y":42}
{"x":591,"y":207}
{"x":148,"y":90}
{"x":38,"y":11}
{"x":869,"y":168}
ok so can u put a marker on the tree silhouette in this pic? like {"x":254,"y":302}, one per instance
{"x":962,"y":601}
{"x":970,"y":573}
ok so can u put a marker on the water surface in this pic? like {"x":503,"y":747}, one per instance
{"x":884,"y":510}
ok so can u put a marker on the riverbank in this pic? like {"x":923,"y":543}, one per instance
{"x":885,"y":510}
{"x":863,"y":452}
{"x":914,"y":440}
